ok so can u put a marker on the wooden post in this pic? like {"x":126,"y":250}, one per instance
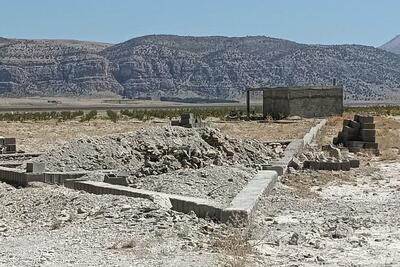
{"x":248,"y":103}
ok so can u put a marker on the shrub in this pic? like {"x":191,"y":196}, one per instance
{"x":112,"y":115}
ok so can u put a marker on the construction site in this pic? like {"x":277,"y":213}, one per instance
{"x":292,"y":188}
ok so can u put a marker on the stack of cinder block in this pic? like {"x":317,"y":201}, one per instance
{"x":8,"y":145}
{"x":358,"y":134}
{"x":331,"y":164}
{"x":189,"y":120}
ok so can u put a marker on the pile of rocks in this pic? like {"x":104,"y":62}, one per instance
{"x":358,"y":134}
{"x":152,"y":151}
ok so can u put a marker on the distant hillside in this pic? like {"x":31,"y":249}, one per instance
{"x":175,"y":66}
{"x":393,"y":45}
{"x":55,"y":67}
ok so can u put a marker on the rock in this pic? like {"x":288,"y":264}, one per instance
{"x":125,"y":207}
{"x":294,"y":239}
{"x":163,"y":202}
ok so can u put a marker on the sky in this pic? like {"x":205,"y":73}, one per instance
{"x":368,"y":22}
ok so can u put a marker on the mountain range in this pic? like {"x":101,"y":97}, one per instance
{"x":183,"y":66}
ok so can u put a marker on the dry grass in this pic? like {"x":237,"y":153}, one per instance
{"x":388,"y":137}
{"x":265,"y":131}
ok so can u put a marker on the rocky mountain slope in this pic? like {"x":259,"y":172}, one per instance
{"x":393,"y":45}
{"x":166,"y":65}
{"x":54,"y":67}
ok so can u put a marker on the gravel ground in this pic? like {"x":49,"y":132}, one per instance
{"x":333,"y":219}
{"x":45,"y":225}
{"x":220,"y":183}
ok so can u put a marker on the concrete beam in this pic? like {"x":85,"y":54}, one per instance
{"x":242,"y":206}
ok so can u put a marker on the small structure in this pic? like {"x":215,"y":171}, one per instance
{"x":189,"y":120}
{"x":358,"y":134}
{"x":8,"y":145}
{"x":307,"y":101}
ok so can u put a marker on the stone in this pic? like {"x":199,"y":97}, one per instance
{"x":294,"y":163}
{"x":125,"y":207}
{"x":35,"y":167}
{"x":294,"y":239}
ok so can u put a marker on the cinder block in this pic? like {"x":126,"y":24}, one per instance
{"x":35,"y":167}
{"x":11,"y":148}
{"x":355,"y":124}
{"x":9,"y":141}
{"x":345,"y":165}
{"x":34,"y":177}
{"x":354,"y":163}
{"x":314,"y":165}
{"x":324,"y":165}
{"x":369,"y":126}
{"x":336,"y":166}
{"x":364,"y":118}
{"x":335,"y":140}
{"x":371,"y":145}
{"x":359,"y":144}
{"x":351,"y":133}
{"x":368,"y":135}
{"x":175,"y":122}
{"x":306,"y":164}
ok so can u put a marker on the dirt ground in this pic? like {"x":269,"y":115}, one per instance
{"x":266,"y":131}
{"x":315,"y":218}
{"x":44,"y":135}
{"x":311,"y":218}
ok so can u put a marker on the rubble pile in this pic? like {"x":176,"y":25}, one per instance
{"x":153,"y":151}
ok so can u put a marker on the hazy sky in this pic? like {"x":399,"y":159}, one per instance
{"x":370,"y":22}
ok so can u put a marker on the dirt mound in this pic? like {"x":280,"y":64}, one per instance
{"x":152,"y":151}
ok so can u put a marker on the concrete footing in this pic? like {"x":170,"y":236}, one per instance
{"x":242,"y":206}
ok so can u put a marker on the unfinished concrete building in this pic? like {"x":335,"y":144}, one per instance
{"x":307,"y":101}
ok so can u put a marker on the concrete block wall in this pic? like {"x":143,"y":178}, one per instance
{"x":202,"y":207}
{"x":13,"y":176}
{"x":306,"y":102}
{"x":61,"y":177}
